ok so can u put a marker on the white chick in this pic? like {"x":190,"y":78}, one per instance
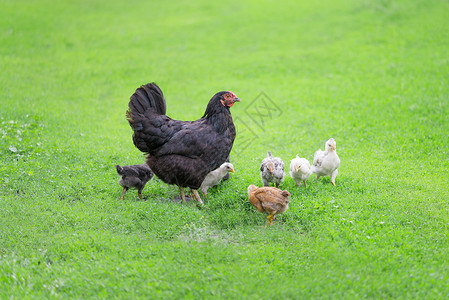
{"x":326,"y":163}
{"x":214,"y":177}
{"x":300,"y":170}
{"x":272,"y":170}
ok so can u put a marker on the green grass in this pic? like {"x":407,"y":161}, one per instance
{"x":371,"y":74}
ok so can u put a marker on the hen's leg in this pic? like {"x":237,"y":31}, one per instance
{"x":183,"y":197}
{"x":305,"y":185}
{"x":139,"y":192}
{"x":123,"y":194}
{"x":197,"y":197}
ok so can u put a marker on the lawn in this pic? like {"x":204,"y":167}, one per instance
{"x":374,"y":75}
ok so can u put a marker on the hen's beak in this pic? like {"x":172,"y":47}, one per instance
{"x":271,"y":170}
{"x":296,"y":168}
{"x":333,"y":147}
{"x":237,"y":99}
{"x":232,"y":170}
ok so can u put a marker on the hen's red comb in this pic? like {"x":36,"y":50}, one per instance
{"x":233,"y":95}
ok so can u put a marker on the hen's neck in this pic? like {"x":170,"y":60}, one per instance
{"x":220,"y":119}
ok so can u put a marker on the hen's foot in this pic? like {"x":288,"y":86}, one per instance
{"x":183,"y":197}
{"x":197,"y":197}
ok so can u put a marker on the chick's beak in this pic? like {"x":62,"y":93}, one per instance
{"x":232,"y":170}
{"x":296,"y":168}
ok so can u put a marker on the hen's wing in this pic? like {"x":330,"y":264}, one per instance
{"x":152,"y":130}
{"x":192,"y":139}
{"x":161,"y":135}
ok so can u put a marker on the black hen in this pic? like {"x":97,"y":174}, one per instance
{"x":134,"y":176}
{"x":181,"y":152}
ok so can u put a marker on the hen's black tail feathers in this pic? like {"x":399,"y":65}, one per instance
{"x":147,"y":97}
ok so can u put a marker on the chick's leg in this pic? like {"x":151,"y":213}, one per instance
{"x":197,"y":197}
{"x":265,"y":183}
{"x":139,"y":192}
{"x":333,"y":176}
{"x":123,"y":194}
{"x":183,"y":197}
{"x":270,"y":220}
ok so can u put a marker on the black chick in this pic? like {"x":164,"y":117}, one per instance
{"x":134,"y":176}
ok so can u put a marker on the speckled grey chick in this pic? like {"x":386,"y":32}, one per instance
{"x":134,"y":176}
{"x":272,"y":170}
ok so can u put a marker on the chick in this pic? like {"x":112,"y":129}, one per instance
{"x":134,"y":176}
{"x":214,"y":177}
{"x":300,"y":170}
{"x":326,"y":163}
{"x":272,"y":170}
{"x":270,"y":200}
